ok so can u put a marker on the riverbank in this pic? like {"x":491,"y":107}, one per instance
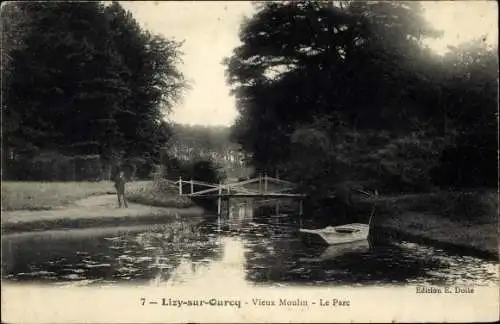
{"x":39,"y":196}
{"x":96,"y":211}
{"x":37,"y":206}
{"x":466,"y":222}
{"x":463,"y":221}
{"x":475,"y":239}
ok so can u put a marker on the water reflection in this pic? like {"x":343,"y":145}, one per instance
{"x":250,"y":252}
{"x":228,"y":270}
{"x":105,"y":256}
{"x":280,"y":258}
{"x":334,"y":251}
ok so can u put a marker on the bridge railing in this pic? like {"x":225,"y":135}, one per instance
{"x":234,"y":186}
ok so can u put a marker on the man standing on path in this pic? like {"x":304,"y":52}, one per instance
{"x":120,"y":182}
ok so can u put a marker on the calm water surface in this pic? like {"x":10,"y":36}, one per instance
{"x":250,"y":252}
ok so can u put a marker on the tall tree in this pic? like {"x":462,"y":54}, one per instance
{"x":85,"y":78}
{"x":154,"y":81}
{"x":65,"y":85}
{"x":469,"y":85}
{"x":15,"y":25}
{"x":305,"y":60}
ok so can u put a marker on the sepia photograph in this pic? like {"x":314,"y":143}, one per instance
{"x":249,"y":161}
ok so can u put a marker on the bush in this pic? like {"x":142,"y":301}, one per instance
{"x":468,"y":165}
{"x":52,"y":166}
{"x":207,"y":171}
{"x":159,"y":193}
{"x":199,"y":170}
{"x":406,"y":163}
{"x":475,"y":206}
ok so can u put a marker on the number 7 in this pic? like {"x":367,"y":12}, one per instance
{"x":143,"y":301}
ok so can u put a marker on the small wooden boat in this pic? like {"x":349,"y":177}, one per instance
{"x":339,"y":234}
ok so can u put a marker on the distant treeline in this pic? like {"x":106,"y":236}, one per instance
{"x":205,"y":143}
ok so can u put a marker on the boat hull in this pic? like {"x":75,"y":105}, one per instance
{"x":333,"y":235}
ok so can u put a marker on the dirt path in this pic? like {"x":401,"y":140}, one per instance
{"x":90,"y":212}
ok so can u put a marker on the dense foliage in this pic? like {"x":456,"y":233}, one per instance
{"x":84,"y":79}
{"x":346,"y":91}
{"x":198,"y":169}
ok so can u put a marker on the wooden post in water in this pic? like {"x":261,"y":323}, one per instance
{"x":260,"y":182}
{"x":265,"y":183}
{"x":180,"y":186}
{"x":219,"y":202}
{"x":301,"y":211}
{"x":192,"y":185}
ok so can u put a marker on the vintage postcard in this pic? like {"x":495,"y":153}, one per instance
{"x":249,"y":162}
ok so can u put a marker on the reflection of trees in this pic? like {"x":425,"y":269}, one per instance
{"x":386,"y":263}
{"x":170,"y":245}
{"x":137,"y":254}
{"x":86,"y":256}
{"x":283,"y":259}
{"x":270,"y":254}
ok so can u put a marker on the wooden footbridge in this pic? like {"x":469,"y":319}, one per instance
{"x":264,"y":187}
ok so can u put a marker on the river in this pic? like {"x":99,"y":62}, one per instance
{"x":249,"y":251}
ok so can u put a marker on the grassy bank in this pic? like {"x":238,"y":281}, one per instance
{"x":31,"y":195}
{"x":465,"y":220}
{"x":475,"y":207}
{"x":85,"y":205}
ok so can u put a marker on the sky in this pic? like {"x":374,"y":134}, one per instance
{"x":210,"y":33}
